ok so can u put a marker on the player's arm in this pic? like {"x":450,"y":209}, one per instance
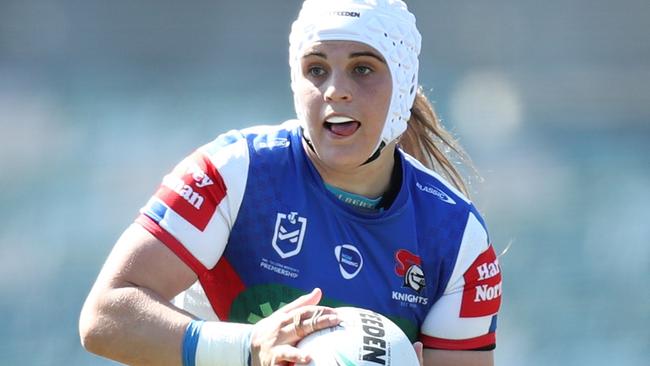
{"x":128,"y":316}
{"x":437,"y":357}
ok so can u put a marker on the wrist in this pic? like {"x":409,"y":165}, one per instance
{"x":217,"y":343}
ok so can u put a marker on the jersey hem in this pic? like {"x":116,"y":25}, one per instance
{"x":459,"y":344}
{"x":172,"y":243}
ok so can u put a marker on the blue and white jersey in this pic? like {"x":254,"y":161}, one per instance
{"x":250,"y":214}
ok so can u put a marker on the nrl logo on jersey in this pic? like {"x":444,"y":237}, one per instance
{"x":289,"y":232}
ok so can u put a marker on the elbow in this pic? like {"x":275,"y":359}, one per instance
{"x":88,"y":336}
{"x":90,"y":329}
{"x":88,"y":340}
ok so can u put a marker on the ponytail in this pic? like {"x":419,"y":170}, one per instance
{"x":430,"y":143}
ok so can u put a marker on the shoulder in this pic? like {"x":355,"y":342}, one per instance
{"x":433,"y":192}
{"x":267,"y":133}
{"x":234,"y":151}
{"x":428,"y":181}
{"x":454,"y":209}
{"x":257,"y":139}
{"x":431,"y":186}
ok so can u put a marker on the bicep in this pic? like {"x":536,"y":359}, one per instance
{"x":138,"y":259}
{"x":437,"y":357}
{"x":127,"y":316}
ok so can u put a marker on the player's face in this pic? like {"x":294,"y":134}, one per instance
{"x":344,"y":90}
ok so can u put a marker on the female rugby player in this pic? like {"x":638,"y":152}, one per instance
{"x":252,"y":241}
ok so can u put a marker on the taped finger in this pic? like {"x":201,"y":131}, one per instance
{"x":314,"y":319}
{"x":297,"y":325}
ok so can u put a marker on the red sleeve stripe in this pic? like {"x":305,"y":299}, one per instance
{"x":458,"y":344}
{"x":172,"y":243}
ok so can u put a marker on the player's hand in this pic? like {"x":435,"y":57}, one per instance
{"x":419,"y":350}
{"x":273,"y":339}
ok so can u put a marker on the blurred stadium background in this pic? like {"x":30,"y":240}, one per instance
{"x":98,"y":99}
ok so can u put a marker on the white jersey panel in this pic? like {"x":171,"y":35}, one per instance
{"x":195,"y":301}
{"x":232,"y":162}
{"x":475,"y":242}
{"x":206,"y":246}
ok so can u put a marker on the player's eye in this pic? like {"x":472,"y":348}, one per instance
{"x":316,"y":71}
{"x":362,"y":70}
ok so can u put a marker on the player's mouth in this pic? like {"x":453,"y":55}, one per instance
{"x":342,"y":126}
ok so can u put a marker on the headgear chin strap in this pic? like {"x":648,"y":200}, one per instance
{"x":385,"y":25}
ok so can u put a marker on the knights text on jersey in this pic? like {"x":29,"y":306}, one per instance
{"x":249,"y":213}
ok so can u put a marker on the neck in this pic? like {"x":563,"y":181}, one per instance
{"x":369,"y":180}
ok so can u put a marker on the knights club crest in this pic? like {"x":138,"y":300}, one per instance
{"x":409,"y":267}
{"x":289,"y":232}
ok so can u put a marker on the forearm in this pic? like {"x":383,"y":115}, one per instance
{"x":133,"y":325}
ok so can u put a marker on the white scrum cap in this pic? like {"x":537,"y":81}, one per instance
{"x":385,"y":25}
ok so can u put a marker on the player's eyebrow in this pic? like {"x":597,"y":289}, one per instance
{"x":314,"y":53}
{"x":352,"y":55}
{"x":367,"y":53}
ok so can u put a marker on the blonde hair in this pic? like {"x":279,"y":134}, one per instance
{"x":429,"y":142}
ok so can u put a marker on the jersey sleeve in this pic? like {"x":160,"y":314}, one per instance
{"x":465,"y":316}
{"x":196,"y":205}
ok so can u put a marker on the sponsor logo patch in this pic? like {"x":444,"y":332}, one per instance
{"x":350,"y":260}
{"x":482,"y":291}
{"x":444,"y":197}
{"x":289,"y":233}
{"x":352,"y":14}
{"x":276,"y":142}
{"x":193,"y":189}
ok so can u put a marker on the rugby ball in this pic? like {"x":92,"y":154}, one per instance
{"x":363,"y":338}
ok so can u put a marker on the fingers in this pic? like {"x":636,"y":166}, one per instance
{"x":304,"y":322}
{"x":310,"y":319}
{"x":287,"y":353}
{"x":311,"y":298}
{"x":274,"y":338}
